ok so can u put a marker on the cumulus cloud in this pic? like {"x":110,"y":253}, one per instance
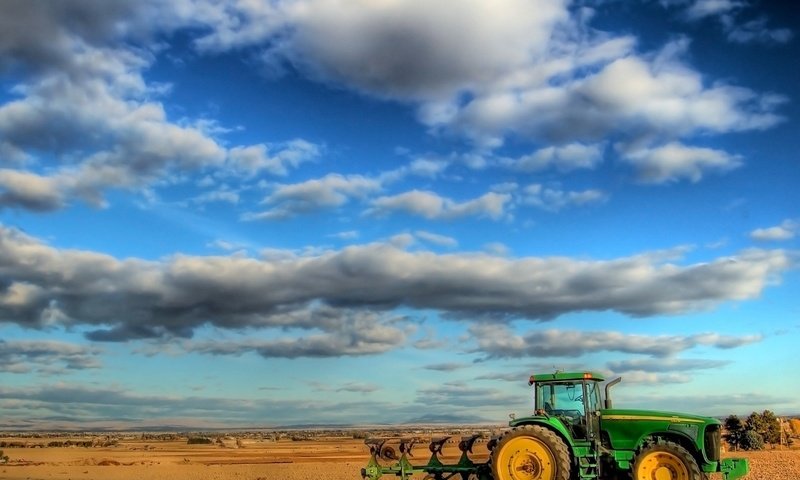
{"x":345,"y":334}
{"x":30,"y":191}
{"x":81,"y":118}
{"x":637,"y":97}
{"x":496,"y":342}
{"x":24,"y":356}
{"x":133,"y":298}
{"x":675,"y":161}
{"x":430,"y":205}
{"x":785,"y":231}
{"x":536,"y":70}
{"x":414,"y":48}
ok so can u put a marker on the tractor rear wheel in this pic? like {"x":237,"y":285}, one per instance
{"x":530,"y":452}
{"x":665,"y":460}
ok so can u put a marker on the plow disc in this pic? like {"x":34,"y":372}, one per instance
{"x":457,"y":458}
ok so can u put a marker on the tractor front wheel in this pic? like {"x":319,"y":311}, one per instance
{"x":530,"y":452}
{"x":665,"y":460}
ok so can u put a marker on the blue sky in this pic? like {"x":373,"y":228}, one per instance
{"x":245,"y":213}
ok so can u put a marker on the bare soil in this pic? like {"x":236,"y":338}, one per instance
{"x":330,"y":459}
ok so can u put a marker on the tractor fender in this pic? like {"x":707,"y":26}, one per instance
{"x":675,"y":436}
{"x":548,"y":422}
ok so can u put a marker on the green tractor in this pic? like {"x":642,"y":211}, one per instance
{"x":574,"y":434}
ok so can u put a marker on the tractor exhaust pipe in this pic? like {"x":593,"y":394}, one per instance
{"x":608,"y":393}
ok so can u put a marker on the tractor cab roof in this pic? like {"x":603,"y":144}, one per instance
{"x":565,"y":376}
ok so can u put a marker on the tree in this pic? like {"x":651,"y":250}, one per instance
{"x":735,"y":431}
{"x":765,"y":424}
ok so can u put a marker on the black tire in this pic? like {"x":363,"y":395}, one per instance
{"x":530,"y":452}
{"x":665,"y":456}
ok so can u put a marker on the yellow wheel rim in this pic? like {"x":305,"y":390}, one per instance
{"x":526,"y":458}
{"x":662,"y":466}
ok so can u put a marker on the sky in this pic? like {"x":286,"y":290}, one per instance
{"x":245,"y":214}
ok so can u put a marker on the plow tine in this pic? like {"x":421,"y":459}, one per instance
{"x":466,"y":443}
{"x":375,"y":445}
{"x":437,"y":444}
{"x":406,"y":444}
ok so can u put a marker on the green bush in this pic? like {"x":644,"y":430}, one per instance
{"x":752,"y":440}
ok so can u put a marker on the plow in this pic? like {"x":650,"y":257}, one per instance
{"x":573,"y":433}
{"x":393,"y":457}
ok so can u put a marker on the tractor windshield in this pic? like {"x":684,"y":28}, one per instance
{"x":561,"y":399}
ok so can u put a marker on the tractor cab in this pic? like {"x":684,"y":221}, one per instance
{"x":573,"y":398}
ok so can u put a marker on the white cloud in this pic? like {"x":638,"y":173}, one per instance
{"x":707,"y":8}
{"x":555,"y":199}
{"x":565,"y":158}
{"x":432,"y":206}
{"x":500,"y":342}
{"x":344,"y":334}
{"x":731,"y":15}
{"x":223,"y":194}
{"x":254,"y":159}
{"x":446,"y":46}
{"x":785,"y":231}
{"x":446,"y":367}
{"x":345,"y":235}
{"x":651,"y":378}
{"x":83,"y":120}
{"x":535,"y":70}
{"x":675,"y":161}
{"x":757,"y":31}
{"x":30,"y":191}
{"x":436,"y":239}
{"x":45,"y":356}
{"x":497,"y":248}
{"x":660,"y":365}
{"x":332,"y":190}
{"x":135,"y":298}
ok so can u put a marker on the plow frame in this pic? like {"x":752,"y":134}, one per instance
{"x":434,"y":469}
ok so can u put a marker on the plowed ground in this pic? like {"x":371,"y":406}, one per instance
{"x":329,"y":459}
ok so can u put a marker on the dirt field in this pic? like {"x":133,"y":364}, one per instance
{"x":323,"y":458}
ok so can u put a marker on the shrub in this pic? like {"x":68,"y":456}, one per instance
{"x":199,"y":441}
{"x":752,"y":440}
